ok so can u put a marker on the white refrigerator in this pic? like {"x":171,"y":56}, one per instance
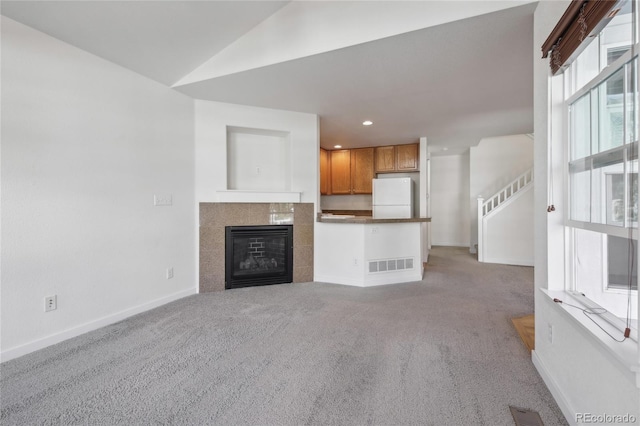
{"x":392,"y":198}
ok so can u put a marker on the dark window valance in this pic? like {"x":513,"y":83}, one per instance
{"x":582,"y":19}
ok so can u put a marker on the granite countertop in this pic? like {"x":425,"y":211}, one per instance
{"x":324,"y":218}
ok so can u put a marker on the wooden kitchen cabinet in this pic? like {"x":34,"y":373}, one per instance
{"x":362,"y":170}
{"x":385,"y":159}
{"x":397,"y":158}
{"x":407,"y":158}
{"x":324,"y":172}
{"x":340,"y":171}
{"x":346,"y":171}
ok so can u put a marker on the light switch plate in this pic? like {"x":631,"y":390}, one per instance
{"x":163,"y":200}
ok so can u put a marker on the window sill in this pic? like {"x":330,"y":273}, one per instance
{"x":624,"y":353}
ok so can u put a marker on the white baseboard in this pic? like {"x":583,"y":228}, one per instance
{"x":516,"y":262}
{"x":52,"y":339}
{"x":449,"y":244}
{"x":553,"y":387}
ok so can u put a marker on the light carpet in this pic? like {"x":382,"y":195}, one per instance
{"x":441,"y":351}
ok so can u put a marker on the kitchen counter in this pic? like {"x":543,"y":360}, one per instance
{"x":345,"y":218}
{"x":363,"y":251}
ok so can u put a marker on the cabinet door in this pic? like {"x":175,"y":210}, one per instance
{"x":362,"y":170}
{"x":340,"y":166}
{"x":324,"y":172}
{"x":385,"y":159}
{"x":406,"y":157}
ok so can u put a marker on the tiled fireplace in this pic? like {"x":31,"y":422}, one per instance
{"x":215,"y":217}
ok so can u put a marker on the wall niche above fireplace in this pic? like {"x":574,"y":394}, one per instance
{"x":258,"y":159}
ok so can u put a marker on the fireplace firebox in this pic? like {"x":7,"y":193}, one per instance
{"x":258,"y":255}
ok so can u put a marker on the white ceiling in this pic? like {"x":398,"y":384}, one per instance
{"x":454,"y":83}
{"x":163,"y":40}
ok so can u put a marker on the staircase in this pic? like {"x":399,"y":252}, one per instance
{"x":489,"y":208}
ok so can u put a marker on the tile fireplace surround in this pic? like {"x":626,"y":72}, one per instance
{"x":215,"y":216}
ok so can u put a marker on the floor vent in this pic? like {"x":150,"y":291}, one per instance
{"x":390,"y":265}
{"x":524,"y":417}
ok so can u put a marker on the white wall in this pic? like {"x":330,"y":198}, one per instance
{"x":85,"y":146}
{"x":211,"y":123}
{"x":449,"y":199}
{"x":493,"y":164}
{"x":508,"y":231}
{"x":582,"y":374}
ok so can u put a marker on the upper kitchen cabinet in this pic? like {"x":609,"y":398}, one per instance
{"x":346,"y":171}
{"x":407,"y":158}
{"x":362,"y":171}
{"x":397,"y":158}
{"x":385,"y":159}
{"x":324,"y":171}
{"x":340,"y":171}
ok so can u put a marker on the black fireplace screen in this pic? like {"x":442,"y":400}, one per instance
{"x":258,"y":255}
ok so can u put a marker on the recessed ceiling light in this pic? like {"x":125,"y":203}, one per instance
{"x":337,"y":146}
{"x":367,"y":123}
{"x":445,"y":149}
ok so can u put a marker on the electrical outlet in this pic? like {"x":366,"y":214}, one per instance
{"x":50,"y":303}
{"x":550,"y":333}
{"x":374,"y":229}
{"x":355,"y":261}
{"x":170,"y":273}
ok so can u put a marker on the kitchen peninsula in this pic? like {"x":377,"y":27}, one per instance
{"x":363,"y":251}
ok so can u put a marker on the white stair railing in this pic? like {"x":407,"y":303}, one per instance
{"x":491,"y":204}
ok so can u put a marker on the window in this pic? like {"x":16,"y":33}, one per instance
{"x":619,"y":263}
{"x":602,"y":168}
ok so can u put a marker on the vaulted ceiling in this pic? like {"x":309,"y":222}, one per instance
{"x":453,"y":71}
